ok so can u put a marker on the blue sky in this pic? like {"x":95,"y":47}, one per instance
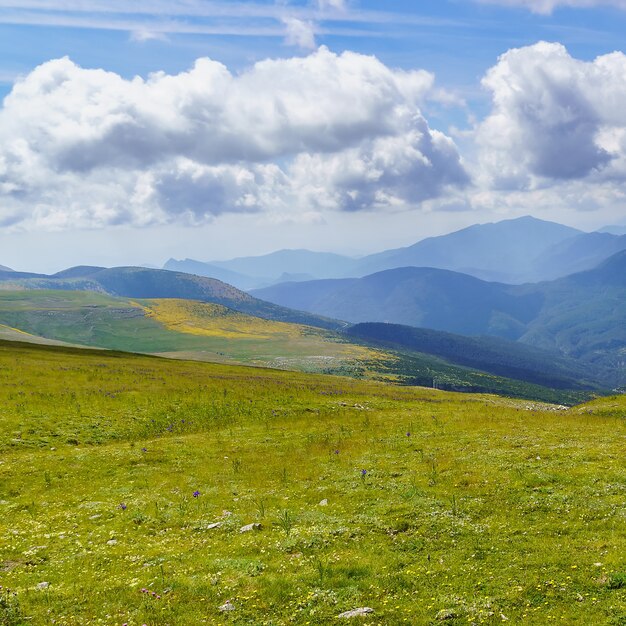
{"x":494,"y":148}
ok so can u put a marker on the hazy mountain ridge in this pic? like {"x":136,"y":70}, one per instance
{"x":511,"y":251}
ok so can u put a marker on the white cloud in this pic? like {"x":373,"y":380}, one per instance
{"x":554,"y":118}
{"x":82,"y":147}
{"x":142,"y":35}
{"x":299,"y":33}
{"x":337,"y":5}
{"x":545,"y":7}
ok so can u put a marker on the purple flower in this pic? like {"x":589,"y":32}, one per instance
{"x":144,"y":449}
{"x":196,"y":493}
{"x":123,"y":506}
{"x":363,"y":472}
{"x":336,"y":451}
{"x":408,"y":434}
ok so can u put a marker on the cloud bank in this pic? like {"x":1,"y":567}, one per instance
{"x":89,"y":148}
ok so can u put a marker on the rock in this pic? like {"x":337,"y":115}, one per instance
{"x":324,"y":502}
{"x":214,"y":525}
{"x":226,"y":513}
{"x":112,"y":542}
{"x":445,"y":614}
{"x":43,"y":585}
{"x":227,"y":606}
{"x":356,"y":612}
{"x":250,"y":527}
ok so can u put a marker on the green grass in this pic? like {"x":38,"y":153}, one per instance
{"x":480,"y":506}
{"x":209,"y":332}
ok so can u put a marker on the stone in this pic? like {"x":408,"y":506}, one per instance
{"x":445,"y":614}
{"x":250,"y":527}
{"x":112,"y":542}
{"x":324,"y":502}
{"x":356,"y":612}
{"x":43,"y":585}
{"x":227,"y":606}
{"x":214,"y":525}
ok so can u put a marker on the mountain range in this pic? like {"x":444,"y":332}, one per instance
{"x":513,"y":251}
{"x":581,"y":316}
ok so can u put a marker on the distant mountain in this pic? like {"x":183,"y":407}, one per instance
{"x":576,"y":254}
{"x":488,"y":354}
{"x":613,"y":230}
{"x":582,"y":316}
{"x":138,"y":282}
{"x":80,"y":271}
{"x":513,"y":251}
{"x":241,"y":281}
{"x":4,"y":268}
{"x":271,"y":266}
{"x":427,"y":297}
{"x":504,"y":251}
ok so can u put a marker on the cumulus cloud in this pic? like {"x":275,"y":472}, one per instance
{"x":393,"y":171}
{"x":554,"y":118}
{"x":89,"y":147}
{"x":546,"y":7}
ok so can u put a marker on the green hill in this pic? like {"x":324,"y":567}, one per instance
{"x":211,"y":332}
{"x":139,"y":282}
{"x":126,"y":481}
{"x":489,"y":354}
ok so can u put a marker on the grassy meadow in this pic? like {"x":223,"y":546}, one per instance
{"x":125,"y":481}
{"x":192,"y":330}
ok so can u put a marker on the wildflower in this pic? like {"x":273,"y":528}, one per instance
{"x":196,"y":493}
{"x":144,"y":449}
{"x":123,"y":506}
{"x":363,"y":473}
{"x":408,"y":434}
{"x":336,"y":451}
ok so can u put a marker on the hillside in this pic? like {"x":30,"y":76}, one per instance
{"x":427,"y":297}
{"x":139,"y":282}
{"x":186,"y":329}
{"x":177,"y":328}
{"x":126,"y":482}
{"x":582,"y":316}
{"x":489,"y":354}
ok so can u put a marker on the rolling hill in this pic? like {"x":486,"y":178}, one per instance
{"x":139,"y":282}
{"x":126,"y":482}
{"x":488,"y":354}
{"x":186,"y":329}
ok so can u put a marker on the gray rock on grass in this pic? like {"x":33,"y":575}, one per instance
{"x":250,"y":527}
{"x":356,"y":613}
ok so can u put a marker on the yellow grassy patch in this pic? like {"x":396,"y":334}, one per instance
{"x":215,"y":320}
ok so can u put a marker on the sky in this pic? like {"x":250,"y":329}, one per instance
{"x":209,"y":129}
